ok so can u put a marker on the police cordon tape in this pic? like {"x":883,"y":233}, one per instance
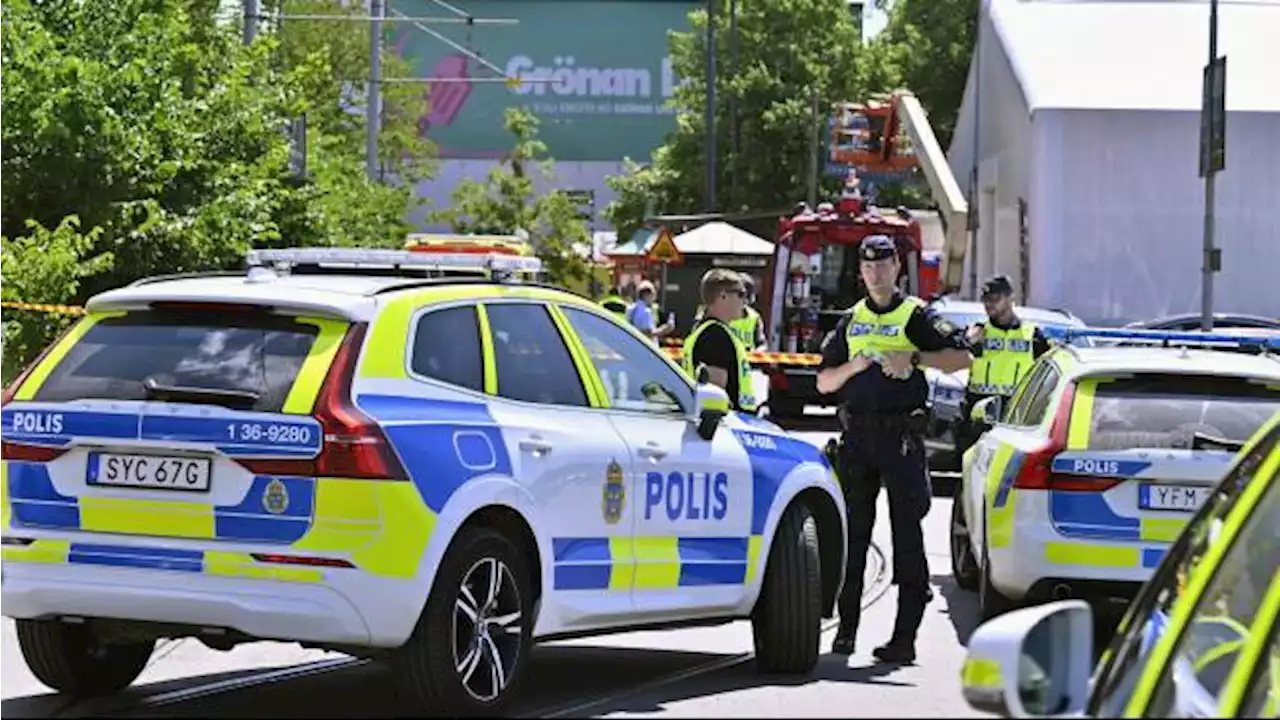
{"x":763,"y":358}
{"x":43,"y":307}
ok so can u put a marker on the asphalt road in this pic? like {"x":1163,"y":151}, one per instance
{"x":704,"y":672}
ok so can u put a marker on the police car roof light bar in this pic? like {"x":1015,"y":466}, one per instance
{"x":1179,"y":339}
{"x":376,"y":258}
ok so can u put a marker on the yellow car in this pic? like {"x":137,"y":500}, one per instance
{"x":1201,"y":639}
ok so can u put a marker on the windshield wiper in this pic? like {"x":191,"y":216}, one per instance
{"x":1202,"y":440}
{"x":234,"y":399}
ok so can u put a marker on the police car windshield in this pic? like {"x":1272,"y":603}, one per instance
{"x":247,"y":353}
{"x":1168,"y":411}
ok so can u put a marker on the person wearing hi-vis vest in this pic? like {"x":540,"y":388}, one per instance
{"x":748,"y":328}
{"x":714,"y":345}
{"x":1004,"y":350}
{"x":614,"y":302}
{"x":872,"y":362}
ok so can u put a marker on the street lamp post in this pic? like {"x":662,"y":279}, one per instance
{"x":1213,"y":130}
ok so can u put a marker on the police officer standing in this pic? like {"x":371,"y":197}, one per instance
{"x":872,"y":360}
{"x":749,"y":328}
{"x":713,"y":342}
{"x":1004,"y":349}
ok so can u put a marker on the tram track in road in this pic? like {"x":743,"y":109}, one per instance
{"x":876,"y":586}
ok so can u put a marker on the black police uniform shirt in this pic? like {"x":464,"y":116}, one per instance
{"x":871,"y":391}
{"x":714,"y":348}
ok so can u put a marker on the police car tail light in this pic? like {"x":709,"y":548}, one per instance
{"x":1035,"y":473}
{"x":354,"y":446}
{"x":29,"y":453}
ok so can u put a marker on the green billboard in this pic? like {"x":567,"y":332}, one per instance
{"x":595,"y":72}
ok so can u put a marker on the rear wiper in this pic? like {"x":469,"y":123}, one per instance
{"x":1201,"y":441}
{"x":235,"y":399}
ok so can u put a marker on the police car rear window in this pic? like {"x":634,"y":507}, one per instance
{"x":249,"y":352}
{"x":1178,"y":411}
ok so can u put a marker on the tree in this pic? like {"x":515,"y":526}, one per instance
{"x":925,"y":48}
{"x":772,"y":88}
{"x":507,"y":203}
{"x":928,"y":44}
{"x":151,"y":124}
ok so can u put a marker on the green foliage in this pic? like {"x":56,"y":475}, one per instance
{"x":151,"y":123}
{"x":925,"y":47}
{"x":507,"y":203}
{"x":45,"y":263}
{"x":929,"y":45}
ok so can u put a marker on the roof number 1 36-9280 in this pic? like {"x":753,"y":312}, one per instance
{"x":271,"y":433}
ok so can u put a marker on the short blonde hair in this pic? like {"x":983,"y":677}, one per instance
{"x":718,"y":280}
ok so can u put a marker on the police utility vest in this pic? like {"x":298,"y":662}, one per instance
{"x":873,"y":334}
{"x":746,"y":392}
{"x":1006,"y":357}
{"x":744,"y":328}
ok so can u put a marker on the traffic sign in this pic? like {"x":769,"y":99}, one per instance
{"x":664,"y":249}
{"x":1213,"y":117}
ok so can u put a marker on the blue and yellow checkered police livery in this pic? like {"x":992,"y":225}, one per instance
{"x":335,"y":506}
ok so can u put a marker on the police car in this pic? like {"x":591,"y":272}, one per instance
{"x":1099,"y":459}
{"x":1201,"y":639}
{"x":337,"y":450}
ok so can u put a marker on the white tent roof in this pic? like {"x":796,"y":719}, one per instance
{"x":721,"y":238}
{"x":1140,"y":54}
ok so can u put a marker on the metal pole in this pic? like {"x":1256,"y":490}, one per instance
{"x":710,"y":200}
{"x":252,"y":9}
{"x":1206,"y":290}
{"x":373,"y":107}
{"x":815,"y":146}
{"x":974,"y":178}
{"x":733,"y":97}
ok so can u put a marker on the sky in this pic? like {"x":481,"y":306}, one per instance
{"x":873,"y":20}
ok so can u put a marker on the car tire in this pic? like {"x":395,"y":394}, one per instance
{"x":72,"y":659}
{"x":461,"y":627}
{"x":964,"y":567}
{"x":787,"y":620}
{"x":991,"y":602}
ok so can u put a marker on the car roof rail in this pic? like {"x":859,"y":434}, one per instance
{"x":1257,"y":343}
{"x":499,"y":267}
{"x":151,"y":279}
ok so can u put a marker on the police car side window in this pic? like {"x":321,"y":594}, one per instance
{"x":531,"y":359}
{"x":1196,"y":674}
{"x":446,"y":347}
{"x":1032,"y":399}
{"x":633,"y":374}
{"x":1148,"y":615}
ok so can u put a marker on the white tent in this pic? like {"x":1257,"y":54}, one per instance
{"x":721,"y":238}
{"x":1087,"y":156}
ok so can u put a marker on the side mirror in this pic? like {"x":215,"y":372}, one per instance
{"x":987,"y":410}
{"x":710,"y":405}
{"x":1034,"y":662}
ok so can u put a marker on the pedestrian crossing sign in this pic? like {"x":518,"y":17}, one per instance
{"x":664,"y":249}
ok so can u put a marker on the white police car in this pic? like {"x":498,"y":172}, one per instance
{"x":337,"y":450}
{"x":1101,"y":456}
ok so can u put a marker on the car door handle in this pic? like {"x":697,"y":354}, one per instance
{"x":652,"y":452}
{"x":535,"y":444}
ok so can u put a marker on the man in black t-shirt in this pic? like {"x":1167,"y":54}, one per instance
{"x":713,"y":344}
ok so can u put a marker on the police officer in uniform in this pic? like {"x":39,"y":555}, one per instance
{"x":749,"y":328}
{"x":614,"y":302}
{"x":873,"y":361}
{"x":1004,"y":349}
{"x":713,"y":342}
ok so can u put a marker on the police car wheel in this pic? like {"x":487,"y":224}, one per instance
{"x":72,"y":659}
{"x":964,"y":568}
{"x":787,"y":619}
{"x":467,"y":655}
{"x":991,"y":603}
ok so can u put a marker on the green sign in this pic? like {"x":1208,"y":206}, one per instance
{"x":596,"y":73}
